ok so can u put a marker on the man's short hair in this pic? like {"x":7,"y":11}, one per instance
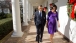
{"x":40,"y":5}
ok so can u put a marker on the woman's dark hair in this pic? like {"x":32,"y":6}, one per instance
{"x":51,"y":7}
{"x":55,"y":6}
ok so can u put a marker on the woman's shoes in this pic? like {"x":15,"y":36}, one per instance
{"x":51,"y":41}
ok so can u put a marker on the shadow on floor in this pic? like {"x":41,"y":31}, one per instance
{"x":67,"y":28}
{"x":34,"y":33}
{"x":57,"y":40}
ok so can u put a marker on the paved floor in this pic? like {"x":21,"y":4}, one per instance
{"x":30,"y":35}
{"x":46,"y":39}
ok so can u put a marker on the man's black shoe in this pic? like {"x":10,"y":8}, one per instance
{"x":40,"y":40}
{"x":36,"y":40}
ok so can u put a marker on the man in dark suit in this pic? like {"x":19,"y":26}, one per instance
{"x":40,"y":20}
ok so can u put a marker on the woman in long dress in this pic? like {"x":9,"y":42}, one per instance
{"x":52,"y":20}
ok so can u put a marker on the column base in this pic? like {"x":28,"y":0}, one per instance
{"x":29,"y":20}
{"x":25,"y":24}
{"x":16,"y":34}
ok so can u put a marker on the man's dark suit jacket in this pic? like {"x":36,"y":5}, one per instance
{"x":38,"y":19}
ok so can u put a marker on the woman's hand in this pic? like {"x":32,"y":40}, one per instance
{"x":58,"y":24}
{"x":46,"y":26}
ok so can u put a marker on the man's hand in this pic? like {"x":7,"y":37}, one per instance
{"x":46,"y":24}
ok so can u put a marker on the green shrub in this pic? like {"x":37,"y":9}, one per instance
{"x":2,"y":15}
{"x":6,"y":26}
{"x":9,"y":15}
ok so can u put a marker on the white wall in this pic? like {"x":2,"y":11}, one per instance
{"x":63,"y":17}
{"x":67,"y":26}
{"x":64,"y":21}
{"x":62,"y":10}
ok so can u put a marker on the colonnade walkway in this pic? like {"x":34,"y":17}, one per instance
{"x":30,"y":35}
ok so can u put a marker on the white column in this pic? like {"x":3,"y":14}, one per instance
{"x":16,"y":19}
{"x":29,"y":11}
{"x":32,"y":11}
{"x":27,"y":8}
{"x":49,"y":1}
{"x":25,"y":21}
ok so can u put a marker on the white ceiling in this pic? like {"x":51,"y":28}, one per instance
{"x":36,"y":2}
